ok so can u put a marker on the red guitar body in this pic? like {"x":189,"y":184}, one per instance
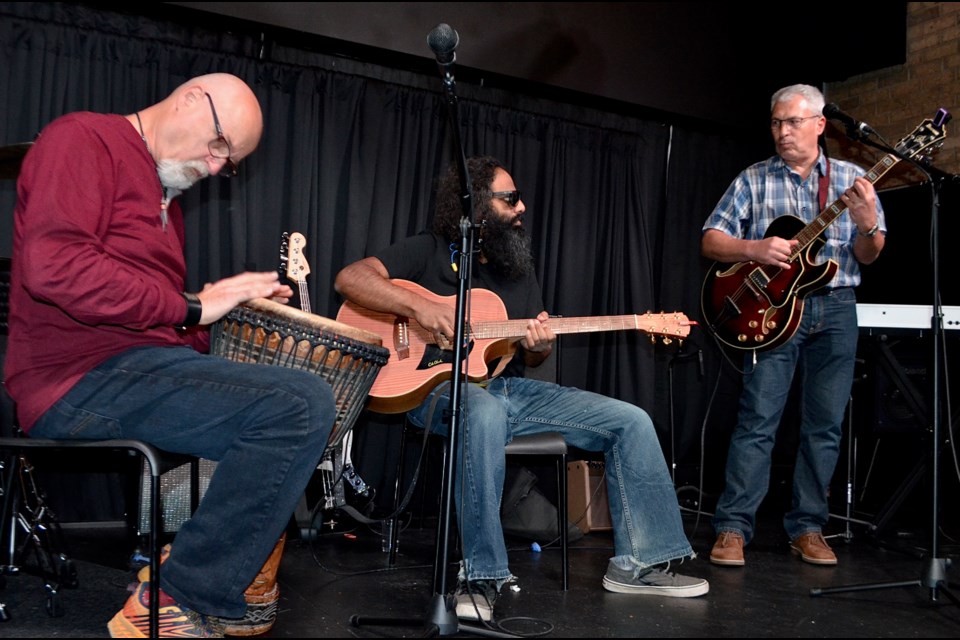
{"x":749,"y":305}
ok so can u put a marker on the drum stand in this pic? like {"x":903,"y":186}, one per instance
{"x":30,"y":528}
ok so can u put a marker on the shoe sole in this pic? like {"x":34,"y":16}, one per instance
{"x":469,"y":612}
{"x":260,"y":617}
{"x":811,"y":560}
{"x":690,"y":591}
{"x":120,"y":627}
{"x":723,"y":562}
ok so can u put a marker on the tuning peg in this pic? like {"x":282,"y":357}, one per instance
{"x":941,"y":118}
{"x":667,"y":340}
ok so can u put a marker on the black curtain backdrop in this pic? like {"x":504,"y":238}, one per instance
{"x":349,"y":158}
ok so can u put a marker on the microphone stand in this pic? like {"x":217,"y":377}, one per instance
{"x":934,"y":575}
{"x":441,"y":618}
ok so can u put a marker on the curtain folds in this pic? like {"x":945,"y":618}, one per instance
{"x":349,"y":157}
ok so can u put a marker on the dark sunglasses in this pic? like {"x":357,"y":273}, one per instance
{"x":510,"y":197}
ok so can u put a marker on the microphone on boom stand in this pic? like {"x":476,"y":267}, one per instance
{"x":441,"y":616}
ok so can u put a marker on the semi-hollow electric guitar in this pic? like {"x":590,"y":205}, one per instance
{"x":417,"y":364}
{"x":748,"y":305}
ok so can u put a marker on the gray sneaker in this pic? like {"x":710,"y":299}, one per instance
{"x":653,"y":581}
{"x":476,"y":603}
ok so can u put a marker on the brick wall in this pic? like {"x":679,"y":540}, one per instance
{"x":895,"y":100}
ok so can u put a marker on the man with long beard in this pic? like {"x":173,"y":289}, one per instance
{"x":648,"y":532}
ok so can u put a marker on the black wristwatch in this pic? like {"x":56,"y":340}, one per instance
{"x":194,"y":309}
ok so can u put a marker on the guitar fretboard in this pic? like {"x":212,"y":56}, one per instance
{"x":810,"y":232}
{"x":304,"y":296}
{"x":660,"y":323}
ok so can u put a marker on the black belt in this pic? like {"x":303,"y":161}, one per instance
{"x":825,"y":291}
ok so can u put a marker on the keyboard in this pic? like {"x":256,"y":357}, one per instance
{"x":904,"y":316}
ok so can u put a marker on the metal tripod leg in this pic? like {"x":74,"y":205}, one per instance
{"x":31,"y":530}
{"x":848,"y":518}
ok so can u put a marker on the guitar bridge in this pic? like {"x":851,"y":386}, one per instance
{"x":401,"y":338}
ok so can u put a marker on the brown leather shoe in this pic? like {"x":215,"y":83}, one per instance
{"x":812,"y":548}
{"x":728,"y":549}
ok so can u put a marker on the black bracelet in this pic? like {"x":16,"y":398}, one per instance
{"x":194,"y":309}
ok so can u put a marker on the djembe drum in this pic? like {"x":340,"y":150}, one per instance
{"x":266,"y":332}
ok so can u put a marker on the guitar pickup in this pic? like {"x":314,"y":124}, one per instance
{"x":757,"y":282}
{"x":401,"y":338}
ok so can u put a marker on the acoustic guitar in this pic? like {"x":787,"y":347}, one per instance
{"x":417,"y":363}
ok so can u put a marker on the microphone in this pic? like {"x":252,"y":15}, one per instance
{"x":855,"y":128}
{"x":443,"y":40}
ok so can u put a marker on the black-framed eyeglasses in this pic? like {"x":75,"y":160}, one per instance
{"x":220,"y":148}
{"x":510,"y":197}
{"x":791,"y":123}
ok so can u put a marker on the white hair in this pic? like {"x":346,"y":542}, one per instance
{"x":811,"y":94}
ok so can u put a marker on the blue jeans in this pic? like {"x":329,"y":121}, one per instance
{"x":647,"y":527}
{"x":822,"y":353}
{"x":266,"y":426}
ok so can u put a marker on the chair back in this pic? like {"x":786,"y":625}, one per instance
{"x":4,"y":299}
{"x":6,"y":403}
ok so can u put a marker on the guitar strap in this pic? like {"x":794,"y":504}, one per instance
{"x":824,"y":186}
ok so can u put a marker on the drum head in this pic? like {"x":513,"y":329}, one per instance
{"x":319,"y":323}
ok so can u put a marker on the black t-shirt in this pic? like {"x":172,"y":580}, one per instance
{"x":426,"y":259}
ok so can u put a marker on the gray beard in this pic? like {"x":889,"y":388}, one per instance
{"x":174,"y":175}
{"x":506,"y":248}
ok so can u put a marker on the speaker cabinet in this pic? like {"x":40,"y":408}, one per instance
{"x":174,"y":495}
{"x":587,"y":504}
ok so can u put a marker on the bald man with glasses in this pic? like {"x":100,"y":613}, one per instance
{"x":105,"y":342}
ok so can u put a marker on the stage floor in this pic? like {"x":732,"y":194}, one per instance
{"x":326,"y":581}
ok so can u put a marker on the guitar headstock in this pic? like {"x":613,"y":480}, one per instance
{"x":667,"y":325}
{"x":292,"y":262}
{"x":926,"y":139}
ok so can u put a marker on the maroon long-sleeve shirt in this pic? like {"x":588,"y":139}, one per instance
{"x":95,"y":269}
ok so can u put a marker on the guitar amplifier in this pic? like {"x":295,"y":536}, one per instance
{"x":174,"y":495}
{"x":587,"y":504}
{"x":175,"y":491}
